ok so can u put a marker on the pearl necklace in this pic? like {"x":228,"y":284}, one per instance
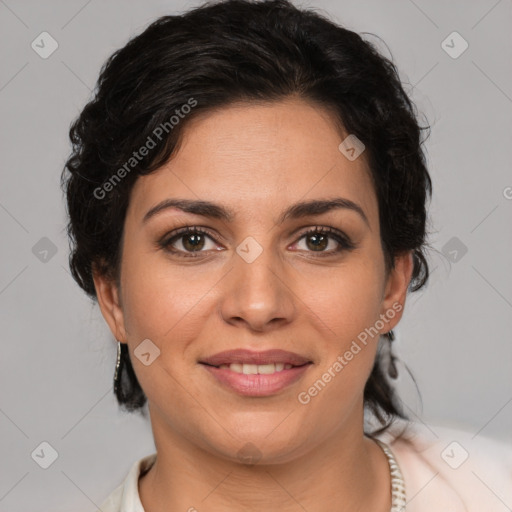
{"x":398,"y":499}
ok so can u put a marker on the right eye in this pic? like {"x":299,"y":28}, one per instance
{"x":191,"y":238}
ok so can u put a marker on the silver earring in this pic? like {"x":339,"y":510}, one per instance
{"x":392,"y":369}
{"x":118,"y":367}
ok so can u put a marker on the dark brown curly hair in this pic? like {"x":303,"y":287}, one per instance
{"x":240,"y":50}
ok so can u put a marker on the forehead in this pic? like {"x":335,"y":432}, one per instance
{"x":259,"y":157}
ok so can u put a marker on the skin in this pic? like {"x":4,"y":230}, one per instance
{"x":257,"y":159}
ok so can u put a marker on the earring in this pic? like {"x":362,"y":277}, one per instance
{"x":117,"y":373}
{"x":126,"y":386}
{"x":392,"y":369}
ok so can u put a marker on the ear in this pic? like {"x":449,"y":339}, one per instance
{"x":395,"y":290}
{"x":110,"y":305}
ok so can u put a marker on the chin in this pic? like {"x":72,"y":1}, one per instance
{"x":264,"y":444}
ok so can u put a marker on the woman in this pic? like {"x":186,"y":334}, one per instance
{"x":247,"y":203}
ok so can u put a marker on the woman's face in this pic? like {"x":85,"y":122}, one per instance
{"x":255,"y":281}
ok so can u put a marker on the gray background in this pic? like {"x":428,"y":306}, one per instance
{"x":58,"y":356}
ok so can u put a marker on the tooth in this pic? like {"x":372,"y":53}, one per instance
{"x":266,"y":368}
{"x":250,"y":369}
{"x":254,"y":369}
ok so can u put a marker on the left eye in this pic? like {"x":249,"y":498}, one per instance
{"x":193,"y":240}
{"x":318,"y":239}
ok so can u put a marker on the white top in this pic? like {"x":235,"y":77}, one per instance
{"x":445,"y":470}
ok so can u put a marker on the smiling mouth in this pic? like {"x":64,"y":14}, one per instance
{"x":256,"y":369}
{"x":257,"y":380}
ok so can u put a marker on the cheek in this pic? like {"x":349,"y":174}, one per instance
{"x":347,"y":357}
{"x":346,"y":308}
{"x":159,"y":298}
{"x":161,"y":303}
{"x":346,"y":299}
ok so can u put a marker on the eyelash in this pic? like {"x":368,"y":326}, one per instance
{"x":345,"y":243}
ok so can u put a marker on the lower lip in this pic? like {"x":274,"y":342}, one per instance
{"x":259,"y":384}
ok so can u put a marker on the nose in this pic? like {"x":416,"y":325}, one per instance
{"x":258,"y":294}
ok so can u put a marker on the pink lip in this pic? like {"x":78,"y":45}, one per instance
{"x":251,"y":357}
{"x":259,"y":384}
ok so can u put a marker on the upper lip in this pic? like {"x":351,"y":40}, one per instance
{"x":250,"y":357}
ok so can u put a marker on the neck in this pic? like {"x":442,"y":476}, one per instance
{"x":345,"y":472}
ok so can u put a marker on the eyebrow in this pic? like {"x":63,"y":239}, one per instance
{"x":295,"y":211}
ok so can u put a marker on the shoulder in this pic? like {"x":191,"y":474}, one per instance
{"x":451,"y":468}
{"x":113,"y":501}
{"x":126,"y":496}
